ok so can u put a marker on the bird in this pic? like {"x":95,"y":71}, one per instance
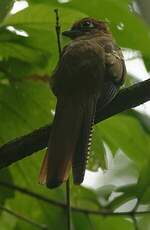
{"x":87,"y":77}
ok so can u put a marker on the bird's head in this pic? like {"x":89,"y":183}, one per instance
{"x":86,"y":26}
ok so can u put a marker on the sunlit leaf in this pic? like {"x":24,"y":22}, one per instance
{"x":5,"y":7}
{"x":126,"y":133}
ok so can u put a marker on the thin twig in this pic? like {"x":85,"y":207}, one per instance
{"x":23,"y":218}
{"x":68,"y":204}
{"x":137,"y":204}
{"x":109,"y":213}
{"x":63,"y":205}
{"x":32,"y":194}
{"x":135,"y":223}
{"x":58,"y":30}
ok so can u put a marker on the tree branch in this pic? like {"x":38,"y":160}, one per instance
{"x":26,"y":145}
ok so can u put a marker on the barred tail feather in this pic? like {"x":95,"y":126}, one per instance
{"x":84,"y":140}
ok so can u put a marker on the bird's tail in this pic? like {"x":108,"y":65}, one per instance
{"x":81,"y":155}
{"x":69,"y":140}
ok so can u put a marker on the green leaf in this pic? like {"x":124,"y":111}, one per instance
{"x":5,"y":193}
{"x":84,"y":198}
{"x":143,"y":119}
{"x":113,"y":223}
{"x":141,"y":189}
{"x":17,"y":51}
{"x":122,"y":172}
{"x":24,"y":107}
{"x":126,"y":133}
{"x":39,"y":22}
{"x":143,"y":185}
{"x":81,"y":221}
{"x":97,"y":151}
{"x":104,"y":193}
{"x":24,"y":69}
{"x":143,"y":222}
{"x":5,"y":7}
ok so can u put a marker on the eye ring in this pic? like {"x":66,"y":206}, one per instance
{"x":87,"y":25}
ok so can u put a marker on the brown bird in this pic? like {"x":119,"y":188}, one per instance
{"x":88,"y":76}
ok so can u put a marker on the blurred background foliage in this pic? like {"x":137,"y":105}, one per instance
{"x":117,"y":179}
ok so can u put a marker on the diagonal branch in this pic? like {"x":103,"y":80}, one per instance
{"x":23,"y":218}
{"x":26,"y":145}
{"x":73,"y":208}
{"x":32,"y":194}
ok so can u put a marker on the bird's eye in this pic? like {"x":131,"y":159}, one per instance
{"x":87,"y":25}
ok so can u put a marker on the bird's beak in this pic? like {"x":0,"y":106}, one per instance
{"x":71,"y":33}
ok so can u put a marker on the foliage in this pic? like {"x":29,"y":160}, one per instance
{"x":121,"y":144}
